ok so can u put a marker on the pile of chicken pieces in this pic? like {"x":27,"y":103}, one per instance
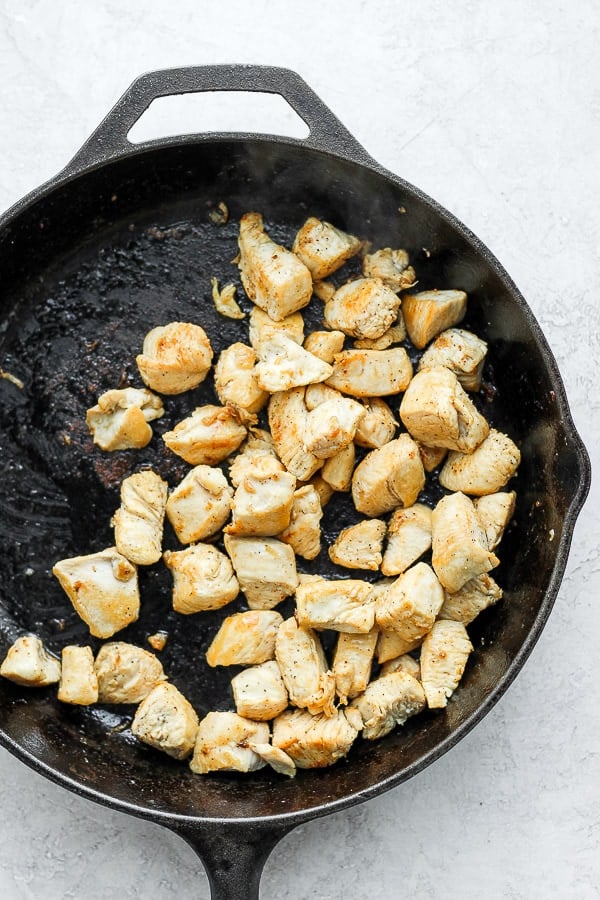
{"x":323,"y":394}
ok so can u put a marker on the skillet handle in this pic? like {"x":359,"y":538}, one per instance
{"x":109,"y":140}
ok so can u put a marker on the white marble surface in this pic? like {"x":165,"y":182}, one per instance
{"x":494,"y":109}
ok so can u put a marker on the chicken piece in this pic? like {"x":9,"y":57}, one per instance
{"x":287,"y":421}
{"x":352,"y":662}
{"x":408,"y":538}
{"x":436,"y":411}
{"x":359,"y":546}
{"x":303,"y":534}
{"x":331,"y":426}
{"x":200,"y":504}
{"x":484,"y":471}
{"x":236,"y":383}
{"x":225,"y":302}
{"x":259,"y":692}
{"x":167,"y":721}
{"x":378,"y":425}
{"x":364,"y":308}
{"x":263,"y":328}
{"x":175,"y":358}
{"x":119,"y":421}
{"x":390,"y":645}
{"x":138,"y":522}
{"x":203,"y":578}
{"x":158,"y":640}
{"x":284,"y":364}
{"x":337,"y":471}
{"x":389,"y":701}
{"x":78,"y":679}
{"x":459,"y":543}
{"x":395,"y":334}
{"x":323,"y":489}
{"x":444,"y":655}
{"x":126,"y":673}
{"x":273,"y":277}
{"x":391,"y":266}
{"x":324,"y":290}
{"x":472,"y":598}
{"x":262,"y":503}
{"x":245,"y":639}
{"x":371,"y":373}
{"x":265,"y":567}
{"x":103,"y":588}
{"x":460,"y":351}
{"x":495,"y":512}
{"x":301,"y":660}
{"x":208,"y":436}
{"x":323,"y":248}
{"x":430,"y":312}
{"x":324,"y":344}
{"x":411,"y":603}
{"x":342,"y":605}
{"x":314,"y":742}
{"x":29,"y":663}
{"x":222,"y":744}
{"x":403,"y":663}
{"x":279,"y":761}
{"x":431,"y":456}
{"x":388,"y":477}
{"x":317,"y":394}
{"x":258,"y":443}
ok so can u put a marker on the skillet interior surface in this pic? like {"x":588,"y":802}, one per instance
{"x":86,"y":271}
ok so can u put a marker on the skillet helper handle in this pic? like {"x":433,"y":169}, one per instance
{"x":110,"y":140}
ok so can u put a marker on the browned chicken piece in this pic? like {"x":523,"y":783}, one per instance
{"x":389,"y":701}
{"x":359,"y":546}
{"x":392,"y":266}
{"x":262,"y":503}
{"x":395,"y":334}
{"x":200,"y":504}
{"x":265,"y":567}
{"x":126,"y":673}
{"x":324,"y":344}
{"x":390,"y":644}
{"x":258,"y":443}
{"x":29,"y":664}
{"x":404,"y":663}
{"x":352,"y":662}
{"x":314,"y":742}
{"x":331,"y":426}
{"x":459,"y":543}
{"x":431,"y":456}
{"x":259,"y":692}
{"x":303,"y":534}
{"x":284,"y":364}
{"x":388,"y":477}
{"x":378,"y":425}
{"x":303,"y":666}
{"x":364,"y":308}
{"x":460,"y":351}
{"x":495,"y":512}
{"x":279,"y":761}
{"x":175,"y":358}
{"x":245,"y":639}
{"x":371,"y":373}
{"x":224,"y":300}
{"x":103,"y":588}
{"x":236,"y":383}
{"x":337,"y":471}
{"x":158,"y":640}
{"x":208,"y":436}
{"x":119,"y":421}
{"x":138,"y":522}
{"x":323,"y":489}
{"x":324,"y":290}
{"x":223,"y":744}
{"x":486,"y":470}
{"x":287,"y":421}
{"x":408,"y":538}
{"x":318,"y":394}
{"x":263,"y":327}
{"x":78,"y":680}
{"x":472,"y":598}
{"x":273,"y":277}
{"x":323,"y":248}
{"x":167,"y":721}
{"x":203,"y":578}
{"x":444,"y":655}
{"x":342,"y":605}
{"x":411,"y":604}
{"x":430,"y":312}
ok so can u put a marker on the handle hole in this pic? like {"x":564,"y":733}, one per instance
{"x":232,"y":111}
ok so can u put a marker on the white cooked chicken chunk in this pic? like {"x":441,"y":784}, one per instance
{"x":317,"y":394}
{"x":403,"y":663}
{"x":29,"y":663}
{"x":224,"y":300}
{"x":324,"y":290}
{"x":388,"y":477}
{"x":200,"y":504}
{"x":175,"y":358}
{"x":389,"y":701}
{"x":126,"y":673}
{"x":279,"y":761}
{"x":473,"y":597}
{"x":391,"y":644}
{"x":304,"y":670}
{"x":371,"y":373}
{"x":364,"y":308}
{"x":273,"y":277}
{"x":411,"y":604}
{"x":324,"y":344}
{"x":484,"y":471}
{"x":259,"y":692}
{"x":303,"y":534}
{"x":265,"y":568}
{"x":408,"y":538}
{"x":459,"y":543}
{"x":444,"y":655}
{"x":359,"y":546}
{"x":222,"y":744}
{"x":262,"y":503}
{"x":323,"y":489}
{"x":263,"y":327}
{"x":235,"y":380}
{"x":138,"y":522}
{"x":78,"y":680}
{"x":460,"y":351}
{"x":395,"y":334}
{"x":167,"y":721}
{"x":284,"y":364}
{"x":495,"y":512}
{"x":331,"y":426}
{"x":203,"y":578}
{"x":208,"y":436}
{"x":287,"y":421}
{"x":103,"y":588}
{"x":431,"y":456}
{"x":119,"y":421}
{"x":258,"y":443}
{"x":245,"y":639}
{"x":392,"y":266}
{"x":338,"y":470}
{"x":315,"y":741}
{"x":342,"y":605}
{"x":378,"y":425}
{"x":323,"y":248}
{"x":429,"y":312}
{"x":352,"y":662}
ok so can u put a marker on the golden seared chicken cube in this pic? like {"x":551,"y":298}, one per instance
{"x":411,"y":604}
{"x":495,"y":512}
{"x":391,"y":644}
{"x":444,"y":655}
{"x":224,"y":300}
{"x":314,"y":742}
{"x":262,"y":503}
{"x":103,"y":588}
{"x":273,"y":277}
{"x":436,"y":411}
{"x":317,"y":394}
{"x":279,"y":761}
{"x":265,"y":567}
{"x":324,"y":290}
{"x":208,"y":436}
{"x":78,"y":679}
{"x":460,"y":351}
{"x":323,"y":489}
{"x":338,"y":470}
{"x":258,"y":443}
{"x":284,"y":364}
{"x":203,"y":578}
{"x":119,"y":421}
{"x":359,"y":546}
{"x":167,"y":721}
{"x":259,"y":692}
{"x":222,"y":744}
{"x":245,"y":639}
{"x":431,"y":456}
{"x":28,"y":663}
{"x":235,"y":380}
{"x":472,"y":598}
{"x":287,"y":421}
{"x":371,"y":373}
{"x":378,"y":425}
{"x":200,"y":504}
{"x":323,"y":248}
{"x":388,"y":477}
{"x":352,"y":662}
{"x":429,"y":312}
{"x":304,"y":670}
{"x":484,"y":471}
{"x":395,"y":334}
{"x":459,"y":543}
{"x":404,"y":663}
{"x":331,"y":426}
{"x":324,"y":344}
{"x":126,"y":673}
{"x":175,"y":358}
{"x":345,"y":604}
{"x":263,"y":328}
{"x":389,"y":701}
{"x":138,"y":522}
{"x":303,"y":534}
{"x":391,"y":266}
{"x":408,"y":538}
{"x":364,"y":308}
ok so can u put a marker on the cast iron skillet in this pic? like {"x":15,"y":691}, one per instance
{"x":120,"y":241}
